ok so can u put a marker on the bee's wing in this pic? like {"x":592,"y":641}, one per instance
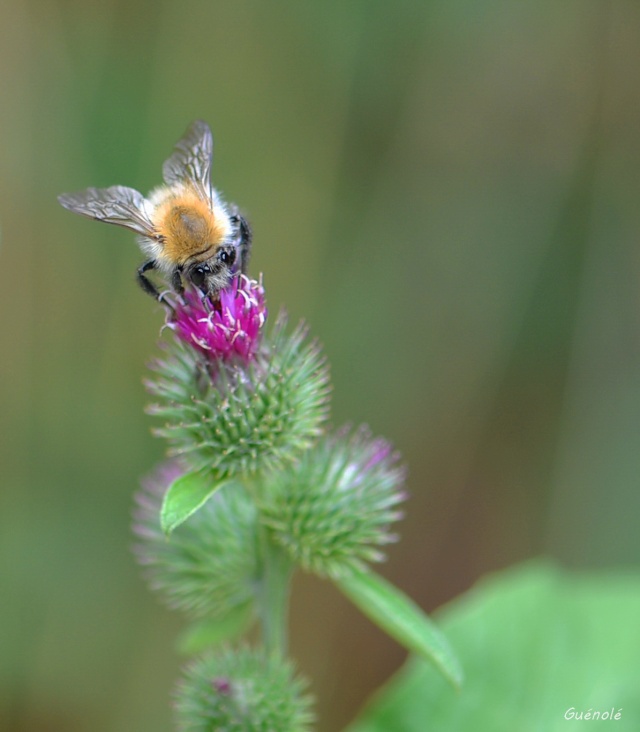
{"x":192,"y":159}
{"x":116,"y":205}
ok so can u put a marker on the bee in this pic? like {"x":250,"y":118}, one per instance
{"x":185,"y":229}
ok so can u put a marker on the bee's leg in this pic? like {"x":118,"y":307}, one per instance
{"x":176,"y":281}
{"x":243,"y":238}
{"x":246,"y":236}
{"x":205,"y":299}
{"x":145,"y":282}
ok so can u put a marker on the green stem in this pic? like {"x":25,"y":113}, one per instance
{"x":274,"y":596}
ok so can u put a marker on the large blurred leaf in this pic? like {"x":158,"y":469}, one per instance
{"x":534,"y":642}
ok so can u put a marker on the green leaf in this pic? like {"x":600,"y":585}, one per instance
{"x":185,"y":496}
{"x":208,"y":633}
{"x":402,"y":619}
{"x":536,"y":643}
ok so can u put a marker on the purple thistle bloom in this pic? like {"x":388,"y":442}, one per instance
{"x":230,"y":328}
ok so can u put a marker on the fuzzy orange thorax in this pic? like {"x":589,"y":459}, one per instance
{"x":188,"y":228}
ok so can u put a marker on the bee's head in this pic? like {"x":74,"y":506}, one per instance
{"x":213,"y":274}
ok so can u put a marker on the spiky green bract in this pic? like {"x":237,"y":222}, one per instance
{"x":332,"y":510}
{"x":241,"y":419}
{"x":210,"y":565}
{"x":243,"y":690}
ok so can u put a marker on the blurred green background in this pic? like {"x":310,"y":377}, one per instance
{"x":447,"y":191}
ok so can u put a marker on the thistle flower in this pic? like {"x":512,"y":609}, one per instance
{"x":333,"y":509}
{"x":247,"y":418}
{"x":210,"y":566}
{"x":229,"y":329}
{"x":242,"y":690}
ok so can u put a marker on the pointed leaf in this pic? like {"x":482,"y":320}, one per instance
{"x":402,"y":619}
{"x":206,"y":633}
{"x":185,"y":496}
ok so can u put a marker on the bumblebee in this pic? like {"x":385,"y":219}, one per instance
{"x":185,"y":229}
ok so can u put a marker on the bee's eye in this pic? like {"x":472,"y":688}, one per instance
{"x":199,"y":274}
{"x":227,"y":257}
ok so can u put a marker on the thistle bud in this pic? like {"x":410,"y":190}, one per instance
{"x":245,"y":418}
{"x":242,"y":690}
{"x":210,"y":566}
{"x":332,"y":511}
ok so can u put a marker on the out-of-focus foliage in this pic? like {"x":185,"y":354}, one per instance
{"x":447,"y":191}
{"x":541,"y":648}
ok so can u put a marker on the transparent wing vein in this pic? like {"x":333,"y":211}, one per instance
{"x":191,"y":159}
